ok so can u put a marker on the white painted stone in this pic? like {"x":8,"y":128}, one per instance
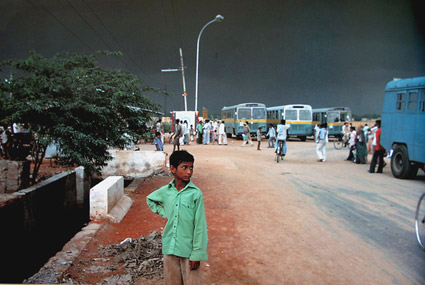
{"x":104,"y":196}
{"x":135,"y":164}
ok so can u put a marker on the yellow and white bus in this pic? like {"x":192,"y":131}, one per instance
{"x":335,"y":117}
{"x":298,"y":115}
{"x":235,"y":116}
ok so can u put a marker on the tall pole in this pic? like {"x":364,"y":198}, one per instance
{"x":184,"y":81}
{"x":218,"y":18}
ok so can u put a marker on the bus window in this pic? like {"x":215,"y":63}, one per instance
{"x":423,"y":101}
{"x":258,"y":113}
{"x":401,"y":98}
{"x":345,"y":117}
{"x":291,"y":115}
{"x":333,"y":117}
{"x":244,"y":113}
{"x":413,"y":101}
{"x":305,"y":115}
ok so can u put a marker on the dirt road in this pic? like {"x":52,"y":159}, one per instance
{"x":299,"y":221}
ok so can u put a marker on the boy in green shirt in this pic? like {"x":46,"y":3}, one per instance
{"x":185,"y":237}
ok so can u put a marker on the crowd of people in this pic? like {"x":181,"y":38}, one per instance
{"x":361,"y":141}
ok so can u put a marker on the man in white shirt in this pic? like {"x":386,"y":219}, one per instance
{"x":207,"y":128}
{"x":322,"y":139}
{"x":352,"y":143}
{"x":222,"y":136}
{"x":282,"y":130}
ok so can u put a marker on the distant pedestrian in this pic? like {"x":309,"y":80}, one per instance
{"x":177,"y":135}
{"x":245,"y":135}
{"x":378,"y":155}
{"x":158,"y":142}
{"x":259,"y":138}
{"x":207,"y":132}
{"x":199,"y":131}
{"x":322,"y":139}
{"x":352,"y":144}
{"x":361,"y":148}
{"x":272,"y":136}
{"x":222,"y":136}
{"x":192,"y":133}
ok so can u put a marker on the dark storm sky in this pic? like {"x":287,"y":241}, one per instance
{"x":322,"y":53}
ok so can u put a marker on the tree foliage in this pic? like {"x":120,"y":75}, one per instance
{"x":71,"y":101}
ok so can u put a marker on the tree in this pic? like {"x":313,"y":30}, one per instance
{"x":70,"y":101}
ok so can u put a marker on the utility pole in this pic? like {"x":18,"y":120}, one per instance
{"x":183,"y":78}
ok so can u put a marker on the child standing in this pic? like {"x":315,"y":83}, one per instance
{"x":158,"y":142}
{"x":259,"y":138}
{"x":185,"y":237}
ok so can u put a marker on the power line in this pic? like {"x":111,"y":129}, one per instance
{"x":60,"y":22}
{"x":117,"y":42}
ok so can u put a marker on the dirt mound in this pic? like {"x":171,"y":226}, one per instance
{"x":141,"y":257}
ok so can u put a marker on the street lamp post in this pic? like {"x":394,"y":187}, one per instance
{"x":217,"y":18}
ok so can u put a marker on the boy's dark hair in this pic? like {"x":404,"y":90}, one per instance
{"x":180,"y":156}
{"x":157,"y":134}
{"x":283,"y":122}
{"x":378,"y":122}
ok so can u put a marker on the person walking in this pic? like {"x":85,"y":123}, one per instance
{"x":207,"y":129}
{"x":199,"y":131}
{"x":272,"y":136}
{"x":378,"y":155}
{"x":259,"y":138}
{"x":322,"y":139}
{"x":352,"y":143}
{"x":222,"y":136}
{"x":246,"y":135}
{"x":361,"y":148}
{"x":178,"y":134}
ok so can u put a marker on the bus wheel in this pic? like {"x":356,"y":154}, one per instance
{"x":400,"y":164}
{"x":303,"y":138}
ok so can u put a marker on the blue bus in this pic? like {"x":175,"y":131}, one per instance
{"x":235,"y":116}
{"x":298,"y":115}
{"x":403,"y":125}
{"x":334,"y":117}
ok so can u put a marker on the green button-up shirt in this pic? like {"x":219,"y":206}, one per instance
{"x":185,"y":233}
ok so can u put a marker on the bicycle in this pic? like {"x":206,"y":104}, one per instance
{"x":420,"y":222}
{"x":279,"y":151}
{"x":339,"y":143}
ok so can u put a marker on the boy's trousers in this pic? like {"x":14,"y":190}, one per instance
{"x":177,"y":271}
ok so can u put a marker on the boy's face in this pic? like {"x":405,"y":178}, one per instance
{"x":183,"y":171}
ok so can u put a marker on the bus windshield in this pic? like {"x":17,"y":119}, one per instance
{"x":291,"y":115}
{"x":345,"y":117}
{"x":244,"y":113}
{"x":258,"y":113}
{"x":333,"y":117}
{"x":305,"y":115}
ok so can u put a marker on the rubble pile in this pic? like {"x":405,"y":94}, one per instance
{"x":141,"y":257}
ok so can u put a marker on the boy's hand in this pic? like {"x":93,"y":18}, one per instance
{"x":194,"y":264}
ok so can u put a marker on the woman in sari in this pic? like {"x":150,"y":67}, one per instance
{"x":361,"y":147}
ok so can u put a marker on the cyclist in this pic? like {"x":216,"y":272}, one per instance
{"x":281,"y":131}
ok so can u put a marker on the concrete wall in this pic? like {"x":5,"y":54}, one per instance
{"x":13,"y":175}
{"x":137,"y":164}
{"x":36,"y":219}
